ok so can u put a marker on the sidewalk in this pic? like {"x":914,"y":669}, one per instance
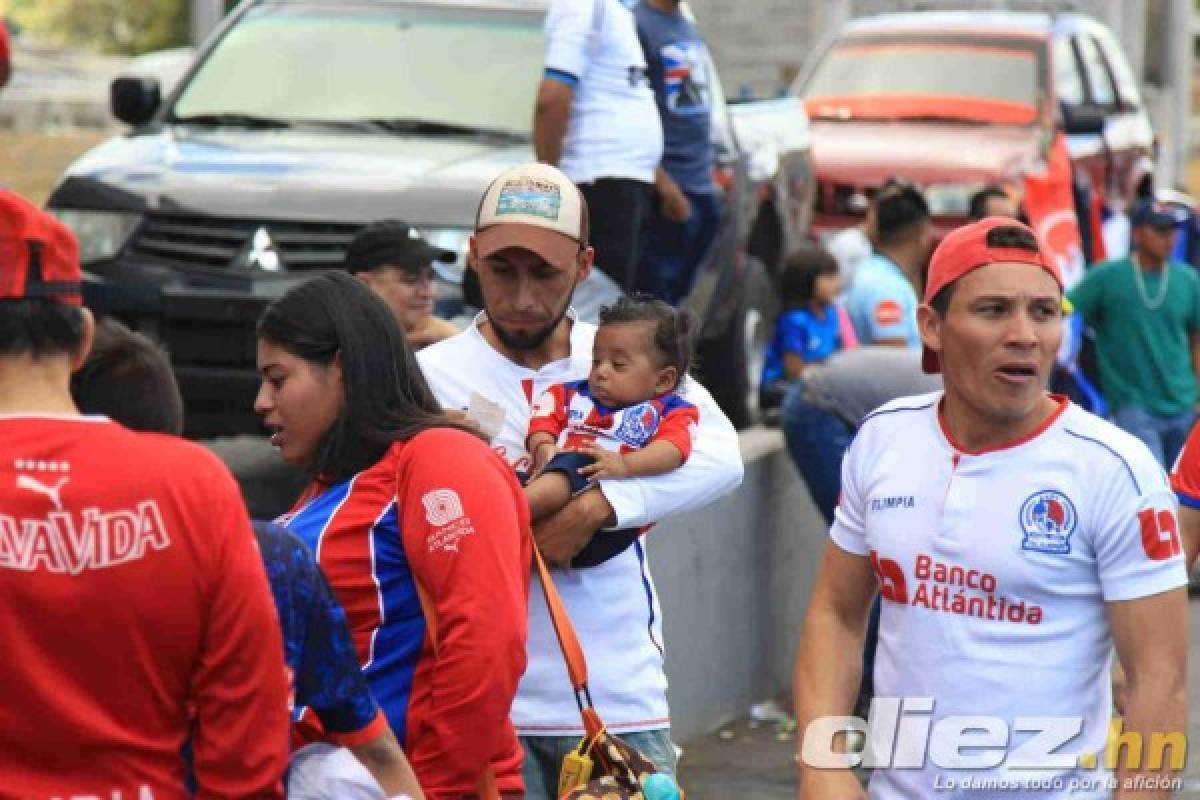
{"x":746,"y":759}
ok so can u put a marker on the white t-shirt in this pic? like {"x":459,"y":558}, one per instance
{"x":849,"y":247}
{"x":995,"y":569}
{"x":613,"y":606}
{"x":614,"y":130}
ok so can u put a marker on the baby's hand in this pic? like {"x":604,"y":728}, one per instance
{"x":609,"y":464}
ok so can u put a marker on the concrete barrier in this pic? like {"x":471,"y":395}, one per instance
{"x":734,"y":580}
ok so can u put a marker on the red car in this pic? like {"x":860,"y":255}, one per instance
{"x":957,"y":100}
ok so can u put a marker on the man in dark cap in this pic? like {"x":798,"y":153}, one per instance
{"x":393,"y":259}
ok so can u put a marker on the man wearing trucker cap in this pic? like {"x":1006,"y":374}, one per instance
{"x":1014,"y":539}
{"x":530,"y":249}
{"x":135,"y":606}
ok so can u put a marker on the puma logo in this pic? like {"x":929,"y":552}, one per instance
{"x":34,"y":485}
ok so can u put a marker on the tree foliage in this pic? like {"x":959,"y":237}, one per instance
{"x":117,"y":26}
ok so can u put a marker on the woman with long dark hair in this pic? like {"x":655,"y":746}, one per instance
{"x":421,"y":529}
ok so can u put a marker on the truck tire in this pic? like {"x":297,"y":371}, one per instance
{"x":729,"y":363}
{"x":721,"y":367}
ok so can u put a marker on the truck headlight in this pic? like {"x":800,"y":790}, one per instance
{"x":101,"y":234}
{"x":456,"y":240}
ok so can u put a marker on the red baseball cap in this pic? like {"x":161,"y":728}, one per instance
{"x":965,"y":249}
{"x":39,"y":256}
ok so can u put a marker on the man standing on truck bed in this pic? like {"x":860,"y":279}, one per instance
{"x":683,"y":219}
{"x":596,"y":120}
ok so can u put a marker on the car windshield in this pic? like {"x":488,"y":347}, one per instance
{"x":388,"y":69}
{"x":970,"y":79}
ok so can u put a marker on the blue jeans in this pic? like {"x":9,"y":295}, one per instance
{"x":1163,"y":435}
{"x":671,"y":251}
{"x":544,"y":756}
{"x":816,"y":441}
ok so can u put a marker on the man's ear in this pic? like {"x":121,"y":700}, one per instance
{"x":586,"y":259}
{"x":87,"y":336}
{"x":929,"y":326}
{"x":667,"y":378}
{"x":472,"y":255}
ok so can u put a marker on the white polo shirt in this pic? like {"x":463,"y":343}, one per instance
{"x":614,"y":130}
{"x":995,"y":569}
{"x":614,"y":606}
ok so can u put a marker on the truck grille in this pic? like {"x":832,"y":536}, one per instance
{"x":215,"y":242}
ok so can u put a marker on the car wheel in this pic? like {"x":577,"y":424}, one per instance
{"x":762,"y":308}
{"x":729,"y":361}
{"x":721,"y":366}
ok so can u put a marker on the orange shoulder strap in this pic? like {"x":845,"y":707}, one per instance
{"x":571,"y":649}
{"x":567,"y":640}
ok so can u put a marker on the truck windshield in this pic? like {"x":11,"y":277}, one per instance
{"x":456,"y":70}
{"x":969,"y":79}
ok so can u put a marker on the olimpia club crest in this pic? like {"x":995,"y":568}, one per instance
{"x":1047,"y":521}
{"x":638,"y":424}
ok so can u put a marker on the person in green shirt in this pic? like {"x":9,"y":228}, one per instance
{"x":1145,"y":311}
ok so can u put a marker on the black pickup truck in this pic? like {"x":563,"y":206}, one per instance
{"x":299,"y":121}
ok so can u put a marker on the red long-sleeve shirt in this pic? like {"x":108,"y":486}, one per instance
{"x":133,"y":597}
{"x":439,"y":515}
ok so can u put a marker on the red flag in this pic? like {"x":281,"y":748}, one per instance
{"x":1050,"y":207}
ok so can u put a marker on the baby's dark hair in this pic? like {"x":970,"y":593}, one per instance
{"x":798,"y":280}
{"x":672,"y":328}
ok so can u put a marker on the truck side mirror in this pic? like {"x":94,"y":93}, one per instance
{"x":1083,"y":119}
{"x":134,"y":99}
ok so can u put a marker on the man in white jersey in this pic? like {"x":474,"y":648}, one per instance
{"x":1014,"y":539}
{"x":597,"y":120}
{"x":529,"y":251}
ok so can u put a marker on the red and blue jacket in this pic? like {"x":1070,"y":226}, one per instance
{"x":429,"y":552}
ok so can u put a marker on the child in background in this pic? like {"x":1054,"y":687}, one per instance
{"x":624,"y":421}
{"x":810,"y":328}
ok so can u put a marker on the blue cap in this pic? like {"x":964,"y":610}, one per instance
{"x":1156,"y":215}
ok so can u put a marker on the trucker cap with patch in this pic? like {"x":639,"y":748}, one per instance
{"x":535,"y":207}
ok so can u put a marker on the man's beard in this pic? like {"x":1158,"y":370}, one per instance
{"x":532,"y":340}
